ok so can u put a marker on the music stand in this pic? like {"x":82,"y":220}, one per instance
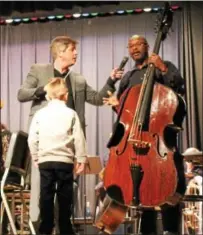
{"x":93,"y":166}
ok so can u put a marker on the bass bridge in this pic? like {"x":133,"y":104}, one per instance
{"x":140,"y":147}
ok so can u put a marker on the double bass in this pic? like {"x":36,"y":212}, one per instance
{"x":141,"y":171}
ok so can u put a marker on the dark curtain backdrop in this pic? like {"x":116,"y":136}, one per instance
{"x":191,"y":65}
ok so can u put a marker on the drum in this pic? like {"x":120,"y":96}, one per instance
{"x":192,"y":212}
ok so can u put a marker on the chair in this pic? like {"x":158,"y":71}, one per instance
{"x":12,"y":194}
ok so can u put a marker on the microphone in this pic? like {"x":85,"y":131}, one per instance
{"x":121,"y":66}
{"x":123,"y":63}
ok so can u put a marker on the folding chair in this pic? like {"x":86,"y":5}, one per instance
{"x":17,"y":160}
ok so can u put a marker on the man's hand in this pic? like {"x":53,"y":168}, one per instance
{"x":158,"y":62}
{"x":79,"y":168}
{"x":111,"y":100}
{"x":116,"y":74}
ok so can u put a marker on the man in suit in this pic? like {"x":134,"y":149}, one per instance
{"x":64,"y":53}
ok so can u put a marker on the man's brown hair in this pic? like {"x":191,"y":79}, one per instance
{"x":59,"y":44}
{"x":56,"y":88}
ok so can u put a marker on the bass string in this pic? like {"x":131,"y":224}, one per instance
{"x":136,"y":129}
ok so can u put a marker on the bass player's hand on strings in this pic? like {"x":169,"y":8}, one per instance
{"x":158,"y":62}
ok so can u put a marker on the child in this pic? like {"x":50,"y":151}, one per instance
{"x":55,"y":139}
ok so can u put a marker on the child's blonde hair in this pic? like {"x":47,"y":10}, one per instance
{"x":56,"y":89}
